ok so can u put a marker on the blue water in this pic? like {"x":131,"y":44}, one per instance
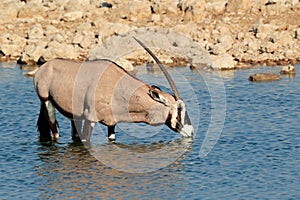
{"x":256,"y":157}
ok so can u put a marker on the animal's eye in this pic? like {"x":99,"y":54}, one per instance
{"x":154,"y":94}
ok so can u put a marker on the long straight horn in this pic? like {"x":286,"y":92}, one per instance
{"x":163,"y":69}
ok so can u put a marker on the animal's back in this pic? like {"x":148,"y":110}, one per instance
{"x":70,"y":83}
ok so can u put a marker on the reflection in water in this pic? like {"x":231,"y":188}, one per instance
{"x":227,"y":74}
{"x":292,"y":76}
{"x":141,"y":158}
{"x":71,"y":171}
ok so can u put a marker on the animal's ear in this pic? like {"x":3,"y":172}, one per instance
{"x":154,"y":93}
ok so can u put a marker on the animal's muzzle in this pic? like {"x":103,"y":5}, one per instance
{"x":187,"y":130}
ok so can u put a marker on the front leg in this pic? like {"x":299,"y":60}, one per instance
{"x":76,"y":129}
{"x":111,"y":133}
{"x":87,"y":130}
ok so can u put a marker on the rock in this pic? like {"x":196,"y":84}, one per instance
{"x":32,"y":53}
{"x":224,"y":44}
{"x":9,"y":10}
{"x":135,"y":11}
{"x":291,"y":53}
{"x":87,"y":41}
{"x":58,"y":50}
{"x":125,"y":64}
{"x":35,"y":32}
{"x":12,"y":45}
{"x":73,"y":6}
{"x":297,"y":34}
{"x":264,"y":77}
{"x":32,"y":10}
{"x":77,"y":38}
{"x":155,"y":18}
{"x":10,"y":50}
{"x":50,"y":30}
{"x":72,"y":16}
{"x":282,"y":38}
{"x":223,"y":62}
{"x":107,"y":29}
{"x":216,"y":7}
{"x":265,"y":28}
{"x":58,"y":37}
{"x":240,"y":6}
{"x":290,"y":69}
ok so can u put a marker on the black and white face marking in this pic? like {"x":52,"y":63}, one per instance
{"x":180,"y":121}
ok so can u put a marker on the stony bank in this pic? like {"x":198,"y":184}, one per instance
{"x":234,"y":32}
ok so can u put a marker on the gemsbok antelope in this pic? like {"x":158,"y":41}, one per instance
{"x":102,"y":91}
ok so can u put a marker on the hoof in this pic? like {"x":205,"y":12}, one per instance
{"x":55,"y":136}
{"x":112,"y":138}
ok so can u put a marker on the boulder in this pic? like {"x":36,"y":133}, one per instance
{"x":223,"y":62}
{"x":59,"y":50}
{"x":260,"y":77}
{"x":50,"y":30}
{"x":9,"y":10}
{"x":35,"y":32}
{"x":224,"y":44}
{"x":72,"y":16}
{"x":240,"y":6}
{"x":32,"y":53}
{"x":10,"y":50}
{"x":297,"y":34}
{"x":136,"y":11}
{"x":282,"y":38}
{"x":125,"y":64}
{"x":107,"y":29}
{"x":216,"y":7}
{"x":289,"y":69}
{"x":32,"y":10}
{"x":12,"y":44}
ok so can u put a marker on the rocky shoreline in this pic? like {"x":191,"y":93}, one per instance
{"x":235,"y":34}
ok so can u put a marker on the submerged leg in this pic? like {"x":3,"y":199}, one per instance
{"x":87,"y":130}
{"x":111,"y":133}
{"x":76,"y":126}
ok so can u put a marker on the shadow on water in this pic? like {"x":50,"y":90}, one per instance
{"x":71,"y":171}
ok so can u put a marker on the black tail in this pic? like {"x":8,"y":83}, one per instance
{"x":43,"y":125}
